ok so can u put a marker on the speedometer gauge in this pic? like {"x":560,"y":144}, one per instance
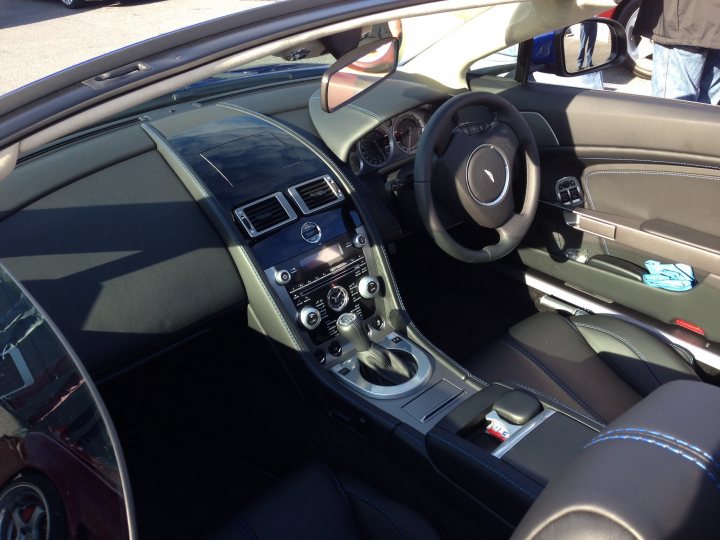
{"x":376,"y":147}
{"x":407,"y":129}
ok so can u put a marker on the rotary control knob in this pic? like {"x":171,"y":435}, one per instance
{"x":310,"y":317}
{"x":282,"y":277}
{"x":360,"y":240}
{"x":368,"y":287}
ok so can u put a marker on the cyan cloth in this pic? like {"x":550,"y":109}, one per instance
{"x":671,"y":277}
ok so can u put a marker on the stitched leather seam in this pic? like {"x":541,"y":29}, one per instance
{"x":509,"y":340}
{"x":676,"y":451}
{"x":651,"y":161}
{"x":557,"y":402}
{"x":341,"y":488}
{"x":379,"y":510}
{"x":668,"y":437}
{"x":369,"y":113}
{"x":483,"y":464}
{"x":627,"y":343}
{"x":689,"y":358}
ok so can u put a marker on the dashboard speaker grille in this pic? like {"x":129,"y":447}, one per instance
{"x":316,"y":194}
{"x":265,"y":214}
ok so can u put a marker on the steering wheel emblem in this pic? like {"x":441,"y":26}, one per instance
{"x":490,"y":175}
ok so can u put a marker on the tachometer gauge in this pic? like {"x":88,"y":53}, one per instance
{"x":376,"y":147}
{"x":407,"y":129}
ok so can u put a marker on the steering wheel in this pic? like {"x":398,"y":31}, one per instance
{"x":469,"y":167}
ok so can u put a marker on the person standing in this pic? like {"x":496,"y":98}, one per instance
{"x":686,"y":53}
{"x":588,"y":35}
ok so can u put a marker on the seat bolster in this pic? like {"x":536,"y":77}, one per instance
{"x":309,"y":504}
{"x":651,"y":474}
{"x":549,"y":355}
{"x":315,"y":504}
{"x":382,"y":517}
{"x":640,"y":358}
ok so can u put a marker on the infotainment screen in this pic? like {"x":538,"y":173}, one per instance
{"x":327,"y":256}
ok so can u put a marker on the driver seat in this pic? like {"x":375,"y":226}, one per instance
{"x":597,"y":365}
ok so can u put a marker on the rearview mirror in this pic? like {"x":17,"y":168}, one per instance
{"x":357,"y":72}
{"x":589,"y":46}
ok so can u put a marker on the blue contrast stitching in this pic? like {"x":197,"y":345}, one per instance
{"x":552,"y":376}
{"x":558,"y":402}
{"x":680,"y":442}
{"x":245,"y":527}
{"x":667,"y":447}
{"x":482,"y":463}
{"x":626,"y":342}
{"x":380,"y":510}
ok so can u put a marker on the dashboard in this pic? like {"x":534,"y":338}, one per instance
{"x":137,"y":259}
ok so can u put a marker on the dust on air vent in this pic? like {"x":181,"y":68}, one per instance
{"x":316,"y":194}
{"x":265,"y":214}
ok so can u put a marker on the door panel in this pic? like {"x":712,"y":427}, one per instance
{"x":650,"y":173}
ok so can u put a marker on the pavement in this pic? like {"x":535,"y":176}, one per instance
{"x":41,"y":37}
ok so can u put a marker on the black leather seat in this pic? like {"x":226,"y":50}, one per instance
{"x":314,"y":503}
{"x":597,"y":365}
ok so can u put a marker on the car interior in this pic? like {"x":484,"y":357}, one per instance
{"x":400,"y":313}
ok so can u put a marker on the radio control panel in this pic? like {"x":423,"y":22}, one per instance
{"x":320,"y":285}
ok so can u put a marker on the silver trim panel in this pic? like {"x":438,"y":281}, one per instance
{"x":247,"y":224}
{"x":521,"y":433}
{"x":354,"y":379}
{"x":293,"y":190}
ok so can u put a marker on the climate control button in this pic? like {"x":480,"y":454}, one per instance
{"x":368,"y":287}
{"x":310,"y":317}
{"x":282,"y":277}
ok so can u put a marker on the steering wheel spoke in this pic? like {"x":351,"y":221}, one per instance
{"x":473,"y":173}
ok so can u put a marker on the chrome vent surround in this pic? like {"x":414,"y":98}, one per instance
{"x":316,"y":194}
{"x":265,"y":214}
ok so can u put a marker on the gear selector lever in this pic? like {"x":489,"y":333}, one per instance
{"x":381,"y":366}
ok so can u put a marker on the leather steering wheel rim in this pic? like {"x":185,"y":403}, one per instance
{"x":514,"y":229}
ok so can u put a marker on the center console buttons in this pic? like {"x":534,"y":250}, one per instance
{"x":360,"y":240}
{"x":282,"y":277}
{"x":368,"y":287}
{"x":310,"y":317}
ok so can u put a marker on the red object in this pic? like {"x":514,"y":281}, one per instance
{"x":690,"y":326}
{"x":608,"y":14}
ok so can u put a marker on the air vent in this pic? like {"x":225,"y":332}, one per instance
{"x":265,"y":214}
{"x":316,"y":194}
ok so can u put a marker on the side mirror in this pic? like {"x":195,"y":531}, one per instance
{"x":589,"y":46}
{"x":357,"y":72}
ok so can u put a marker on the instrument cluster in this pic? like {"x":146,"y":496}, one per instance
{"x":393,"y":141}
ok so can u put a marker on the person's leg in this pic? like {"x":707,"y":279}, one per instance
{"x":677,"y":71}
{"x":591,"y":31}
{"x":710,"y":81}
